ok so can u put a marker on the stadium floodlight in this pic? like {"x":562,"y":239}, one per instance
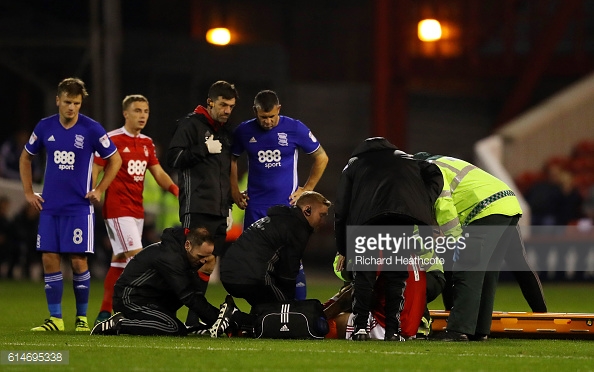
{"x":429,"y":30}
{"x":218,"y":36}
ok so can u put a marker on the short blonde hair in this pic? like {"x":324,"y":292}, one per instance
{"x":128,"y":100}
{"x":310,"y":197}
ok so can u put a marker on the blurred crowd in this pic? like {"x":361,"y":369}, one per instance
{"x":562,"y":193}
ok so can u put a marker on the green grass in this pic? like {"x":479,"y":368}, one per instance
{"x":22,"y":306}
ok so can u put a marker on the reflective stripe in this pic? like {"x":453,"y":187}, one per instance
{"x":450,"y":225}
{"x":446,"y":194}
{"x":459,"y":173}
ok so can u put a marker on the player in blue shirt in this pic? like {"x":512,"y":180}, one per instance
{"x":272,"y":143}
{"x":67,"y":219}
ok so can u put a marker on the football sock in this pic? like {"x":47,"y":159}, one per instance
{"x":110,"y":279}
{"x":81,"y":283}
{"x":54,"y":287}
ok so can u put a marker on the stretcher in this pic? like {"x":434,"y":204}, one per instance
{"x":530,"y":325}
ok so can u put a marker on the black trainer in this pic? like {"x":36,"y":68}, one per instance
{"x":110,"y":326}
{"x":394,"y":337}
{"x":224,"y":320}
{"x":360,"y":335}
{"x":449,"y":336}
{"x":479,"y":337}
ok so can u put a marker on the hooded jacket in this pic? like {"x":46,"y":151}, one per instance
{"x":204,"y":185}
{"x":380,"y":180}
{"x":269,"y":250}
{"x":161,"y":275}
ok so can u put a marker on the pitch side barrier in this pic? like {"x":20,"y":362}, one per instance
{"x":561,"y":253}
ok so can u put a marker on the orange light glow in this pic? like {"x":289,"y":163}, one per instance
{"x":218,"y":36}
{"x":429,"y":30}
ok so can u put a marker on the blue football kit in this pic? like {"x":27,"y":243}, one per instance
{"x":272,"y":168}
{"x":67,"y":219}
{"x":272,"y":161}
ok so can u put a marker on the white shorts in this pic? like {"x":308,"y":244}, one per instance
{"x":125,"y":233}
{"x":374,"y":329}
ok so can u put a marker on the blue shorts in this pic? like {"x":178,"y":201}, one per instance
{"x":253,"y":214}
{"x":66,"y":234}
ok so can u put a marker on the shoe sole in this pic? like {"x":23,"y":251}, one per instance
{"x":215,"y":327}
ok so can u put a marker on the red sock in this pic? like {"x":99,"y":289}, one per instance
{"x":112,"y":275}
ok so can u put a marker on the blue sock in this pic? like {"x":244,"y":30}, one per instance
{"x":82,"y":284}
{"x":54,"y":287}
{"x":301,"y":289}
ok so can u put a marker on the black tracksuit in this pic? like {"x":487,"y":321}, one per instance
{"x":383,"y":186}
{"x":203,"y":178}
{"x":155,"y":284}
{"x":262,"y":264}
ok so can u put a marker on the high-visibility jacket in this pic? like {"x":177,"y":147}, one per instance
{"x":469,"y":193}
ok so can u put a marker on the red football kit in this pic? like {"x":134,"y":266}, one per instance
{"x":123,"y":197}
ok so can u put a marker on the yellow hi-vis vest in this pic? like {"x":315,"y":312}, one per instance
{"x":469,"y":193}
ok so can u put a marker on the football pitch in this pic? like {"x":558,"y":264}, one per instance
{"x":22,"y":306}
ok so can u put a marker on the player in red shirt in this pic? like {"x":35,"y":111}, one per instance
{"x":123,"y":210}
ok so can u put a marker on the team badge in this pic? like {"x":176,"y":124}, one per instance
{"x":32,"y":139}
{"x":79,"y":141}
{"x":146,"y":153}
{"x":105,"y":141}
{"x":282,"y":139}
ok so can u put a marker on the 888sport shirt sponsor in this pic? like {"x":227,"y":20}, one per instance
{"x":123,"y":197}
{"x":272,"y":157}
{"x":69,"y":162}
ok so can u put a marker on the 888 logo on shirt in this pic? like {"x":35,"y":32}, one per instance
{"x":270,"y":158}
{"x":136,"y":169}
{"x":64,"y":159}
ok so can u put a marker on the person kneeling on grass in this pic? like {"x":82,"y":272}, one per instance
{"x":262,"y":265}
{"x":159,"y":280}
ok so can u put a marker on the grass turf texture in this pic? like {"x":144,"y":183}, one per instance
{"x":22,"y":306}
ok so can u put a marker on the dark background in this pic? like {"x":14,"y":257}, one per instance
{"x":348,"y":69}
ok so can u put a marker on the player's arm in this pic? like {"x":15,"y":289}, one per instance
{"x":97,"y":169}
{"x":240,"y":198}
{"x":114,"y":162}
{"x":320,"y":160}
{"x":163,"y":179}
{"x":26,"y":171}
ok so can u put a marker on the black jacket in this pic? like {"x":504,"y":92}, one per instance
{"x":269,"y":250}
{"x":204,"y":185}
{"x":381,"y":180}
{"x":161,"y":274}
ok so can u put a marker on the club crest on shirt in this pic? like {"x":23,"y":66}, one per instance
{"x":105,"y":141}
{"x":312,"y":137}
{"x":282,"y":139}
{"x":146,"y":153}
{"x":32,"y":139}
{"x":79,"y":141}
